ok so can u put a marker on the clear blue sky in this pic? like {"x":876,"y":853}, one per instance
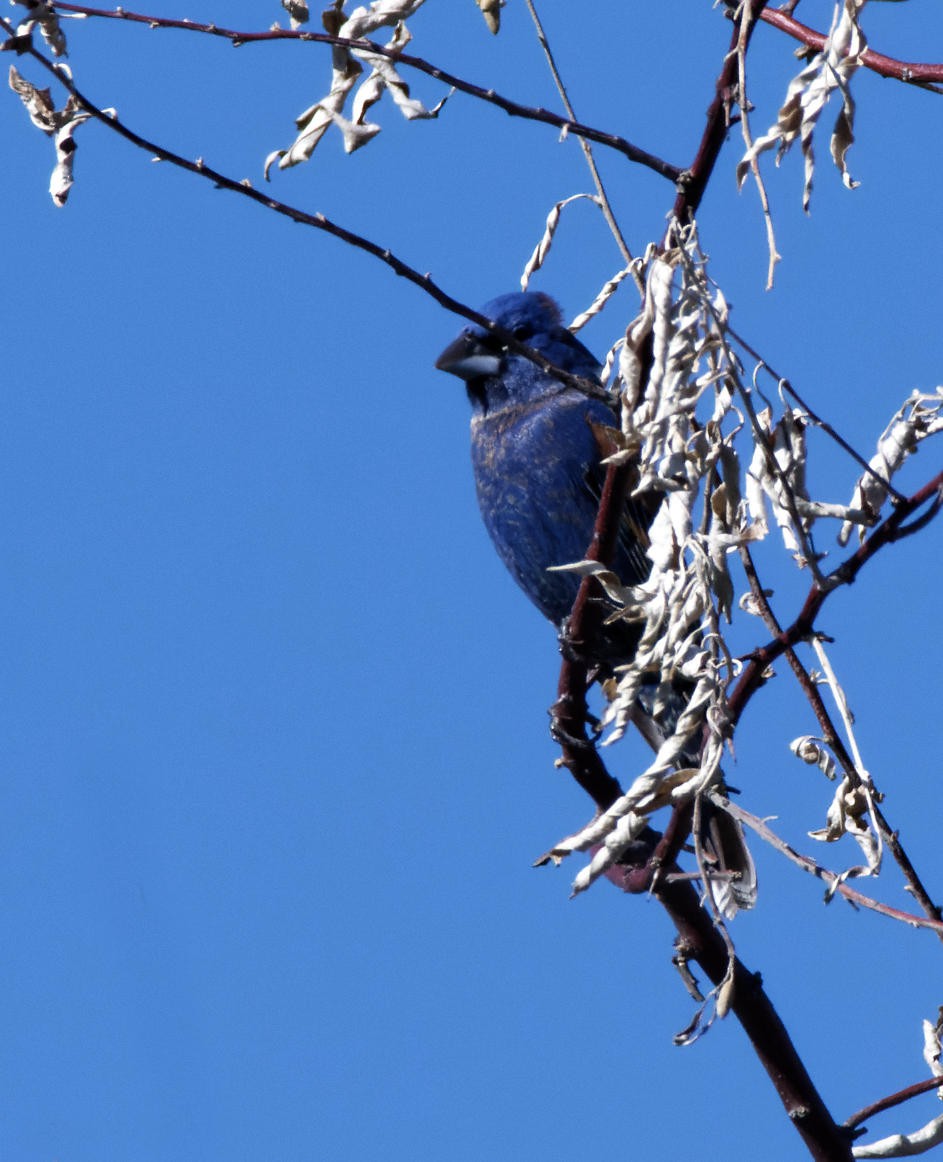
{"x":274,"y":720}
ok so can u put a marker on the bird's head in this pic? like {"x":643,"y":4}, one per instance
{"x":497,"y":377}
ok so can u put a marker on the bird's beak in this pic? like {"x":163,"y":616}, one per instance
{"x":468,"y":358}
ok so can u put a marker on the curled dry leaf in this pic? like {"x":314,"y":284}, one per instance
{"x":491,"y":11}
{"x":62,"y":180}
{"x":829,"y":71}
{"x":609,"y":288}
{"x":297,"y":11}
{"x":43,"y":13}
{"x":920,"y":416}
{"x":347,"y":69}
{"x":814,"y":752}
{"x":58,"y":123}
{"x":542,"y":249}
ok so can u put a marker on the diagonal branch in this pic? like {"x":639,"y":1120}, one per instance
{"x":513,"y":108}
{"x":318,"y":221}
{"x":891,"y":530}
{"x":699,"y":940}
{"x":910,"y":72}
{"x":833,"y":880}
{"x":895,"y":1099}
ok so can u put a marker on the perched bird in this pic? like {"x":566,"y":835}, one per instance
{"x":537,"y":443}
{"x":536,"y":451}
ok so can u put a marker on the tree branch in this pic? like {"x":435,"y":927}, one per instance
{"x":605,"y":204}
{"x":513,"y":108}
{"x":911,"y":73}
{"x":892,"y":529}
{"x":834,"y":881}
{"x":699,"y":940}
{"x":318,"y":221}
{"x":718,"y":118}
{"x":894,"y":1099}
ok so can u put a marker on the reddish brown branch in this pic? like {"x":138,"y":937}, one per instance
{"x":513,"y":108}
{"x":894,"y":1099}
{"x":570,"y":710}
{"x":579,"y":754}
{"x":834,"y":881}
{"x":902,"y":859}
{"x":892,"y":529}
{"x":695,"y":179}
{"x":911,"y":72}
{"x":699,"y":940}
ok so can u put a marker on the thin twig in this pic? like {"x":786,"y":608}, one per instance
{"x":830,"y":735}
{"x":834,"y":881}
{"x":894,"y":1099}
{"x":774,"y":255}
{"x":890,"y":530}
{"x":914,"y":883}
{"x":784,"y":385}
{"x":604,"y":202}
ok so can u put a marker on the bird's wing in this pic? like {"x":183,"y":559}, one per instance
{"x":631,"y":561}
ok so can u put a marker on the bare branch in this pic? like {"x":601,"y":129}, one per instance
{"x":892,"y":529}
{"x":910,"y":72}
{"x":513,"y":108}
{"x":836,"y":885}
{"x":894,"y":1099}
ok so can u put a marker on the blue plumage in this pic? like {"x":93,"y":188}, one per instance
{"x":536,"y":450}
{"x":537,"y":444}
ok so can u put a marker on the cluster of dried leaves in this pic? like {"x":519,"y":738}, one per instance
{"x":828,"y":72}
{"x":348,"y":83}
{"x":692,"y":432}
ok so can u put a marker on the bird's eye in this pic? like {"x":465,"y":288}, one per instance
{"x":520,"y":334}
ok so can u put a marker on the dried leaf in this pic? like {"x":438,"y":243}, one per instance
{"x":42,"y":12}
{"x":608,"y":289}
{"x":904,"y":1145}
{"x":491,"y":11}
{"x":932,"y":1047}
{"x":542,"y":249}
{"x":921,"y":416}
{"x":60,"y":123}
{"x":62,"y":180}
{"x":347,"y":69}
{"x":814,"y":752}
{"x":829,"y":71}
{"x":297,"y":11}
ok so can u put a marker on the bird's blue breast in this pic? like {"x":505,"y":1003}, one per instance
{"x":531,"y":462}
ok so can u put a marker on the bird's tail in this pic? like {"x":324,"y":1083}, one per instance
{"x":719,"y":838}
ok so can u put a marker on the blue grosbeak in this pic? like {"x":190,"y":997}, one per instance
{"x":537,"y":443}
{"x":536,"y":448}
